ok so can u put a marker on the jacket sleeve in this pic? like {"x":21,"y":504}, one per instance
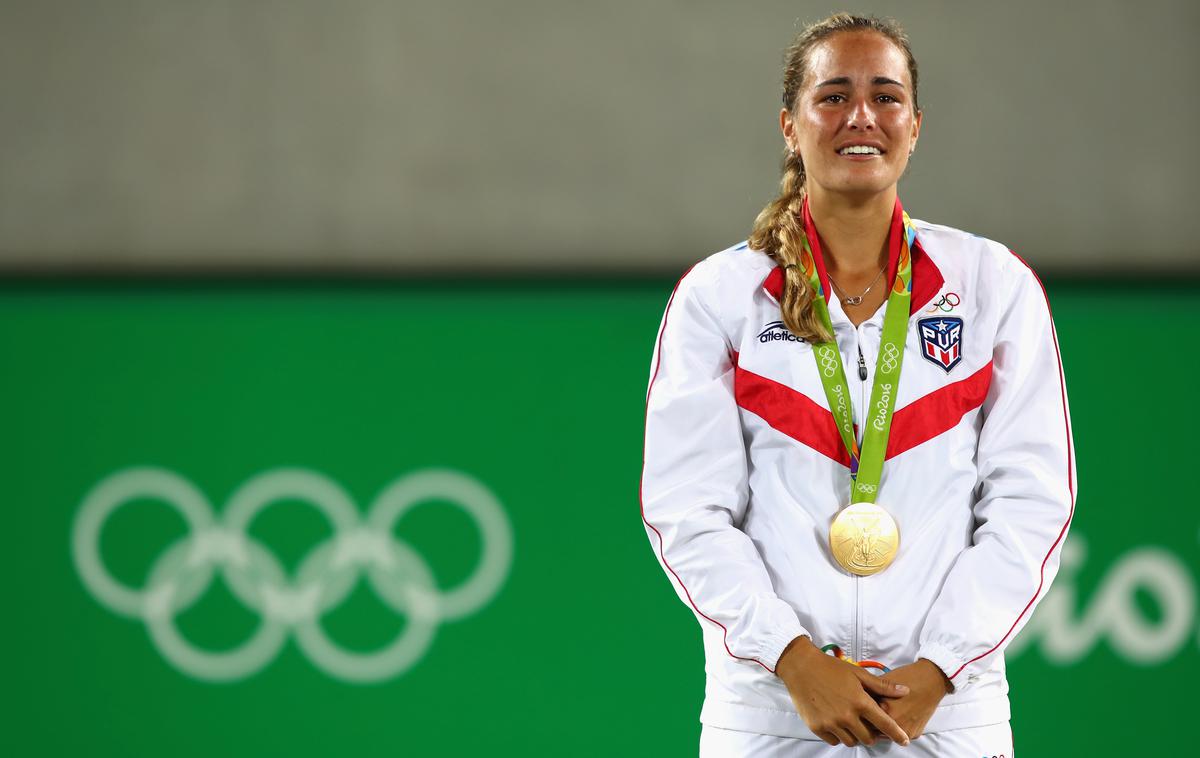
{"x":694,"y":488}
{"x":1025,"y":490}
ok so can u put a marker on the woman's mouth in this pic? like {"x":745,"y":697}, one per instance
{"x":860,"y":152}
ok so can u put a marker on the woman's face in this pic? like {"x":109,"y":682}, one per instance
{"x":857,"y":91}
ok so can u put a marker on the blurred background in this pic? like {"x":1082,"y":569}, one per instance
{"x":326,"y":330}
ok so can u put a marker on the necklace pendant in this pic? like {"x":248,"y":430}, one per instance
{"x":853,"y":300}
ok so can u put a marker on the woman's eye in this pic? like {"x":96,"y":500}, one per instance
{"x":882,"y":98}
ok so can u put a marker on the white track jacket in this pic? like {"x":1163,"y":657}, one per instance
{"x":744,"y":471}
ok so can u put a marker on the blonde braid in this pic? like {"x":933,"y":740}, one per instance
{"x":778,"y":232}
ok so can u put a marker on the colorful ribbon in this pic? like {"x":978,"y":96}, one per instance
{"x":837,"y":653}
{"x":866,"y":464}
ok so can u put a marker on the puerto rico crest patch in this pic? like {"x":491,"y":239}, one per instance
{"x":941,"y":340}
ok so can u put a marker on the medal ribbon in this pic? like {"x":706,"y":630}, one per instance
{"x":866,"y":466}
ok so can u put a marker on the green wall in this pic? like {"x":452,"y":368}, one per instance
{"x":531,"y":394}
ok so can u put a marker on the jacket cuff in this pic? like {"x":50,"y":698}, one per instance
{"x":945,"y":659}
{"x":774,"y":643}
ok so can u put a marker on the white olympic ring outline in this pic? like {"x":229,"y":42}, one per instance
{"x":828,"y":361}
{"x":890,"y":353}
{"x":864,"y":487}
{"x":324,"y":578}
{"x":944,"y":304}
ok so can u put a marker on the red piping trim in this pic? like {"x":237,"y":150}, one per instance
{"x":1070,"y":481}
{"x":641,"y":482}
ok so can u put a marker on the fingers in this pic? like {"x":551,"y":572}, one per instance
{"x":861,"y":732}
{"x":882,"y":685}
{"x":845,"y":737}
{"x":850,"y":731}
{"x":885,"y":723}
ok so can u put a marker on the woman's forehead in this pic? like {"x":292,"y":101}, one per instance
{"x":859,"y":56}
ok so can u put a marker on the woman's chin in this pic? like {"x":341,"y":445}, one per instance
{"x":860,"y":190}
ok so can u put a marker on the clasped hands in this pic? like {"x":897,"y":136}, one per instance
{"x":848,"y":705}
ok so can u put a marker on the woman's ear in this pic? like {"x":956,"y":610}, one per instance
{"x":788,"y":127}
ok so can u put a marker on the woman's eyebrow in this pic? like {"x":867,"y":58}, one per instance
{"x":846,"y":80}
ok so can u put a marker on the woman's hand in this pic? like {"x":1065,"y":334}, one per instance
{"x":927,"y":686}
{"x":836,"y":699}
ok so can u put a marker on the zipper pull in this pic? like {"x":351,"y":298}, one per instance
{"x":862,"y":365}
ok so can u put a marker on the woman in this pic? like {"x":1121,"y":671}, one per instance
{"x":824,"y":518}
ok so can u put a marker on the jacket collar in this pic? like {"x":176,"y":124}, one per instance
{"x":927,"y":278}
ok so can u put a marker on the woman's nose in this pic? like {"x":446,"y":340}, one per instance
{"x":861,"y":116}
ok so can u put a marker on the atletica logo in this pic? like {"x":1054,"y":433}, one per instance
{"x":360,"y":545}
{"x":776,"y":331}
{"x":882,"y":407}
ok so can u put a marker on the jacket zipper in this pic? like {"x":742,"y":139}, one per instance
{"x":856,"y":643}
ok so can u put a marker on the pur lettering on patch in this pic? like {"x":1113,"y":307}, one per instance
{"x":941,"y":340}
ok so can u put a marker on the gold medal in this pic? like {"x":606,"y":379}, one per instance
{"x":864,"y":538}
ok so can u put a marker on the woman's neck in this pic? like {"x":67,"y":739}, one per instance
{"x":854,"y":233}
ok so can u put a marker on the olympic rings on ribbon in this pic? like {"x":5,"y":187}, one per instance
{"x":889,"y":354}
{"x":829,"y":360}
{"x":837,"y":653}
{"x":945,"y":303}
{"x":325,"y":577}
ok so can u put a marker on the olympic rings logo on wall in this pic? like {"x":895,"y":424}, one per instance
{"x":325,"y":577}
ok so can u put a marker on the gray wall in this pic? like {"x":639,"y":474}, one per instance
{"x":175,"y":134}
